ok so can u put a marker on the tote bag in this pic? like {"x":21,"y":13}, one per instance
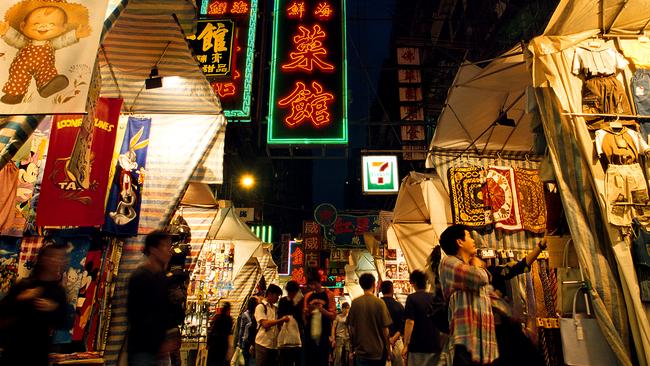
{"x":583,"y":343}
{"x":569,"y":280}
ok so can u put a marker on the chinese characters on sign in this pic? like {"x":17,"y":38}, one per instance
{"x":213,"y":46}
{"x":230,"y":72}
{"x":409,"y":78}
{"x":348,"y":230}
{"x":308,"y":76}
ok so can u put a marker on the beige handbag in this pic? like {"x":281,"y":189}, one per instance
{"x":569,"y":281}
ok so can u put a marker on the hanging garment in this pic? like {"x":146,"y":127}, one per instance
{"x":61,"y":190}
{"x":641,"y":91}
{"x":502,"y":198}
{"x":641,"y":256}
{"x":626,"y":193}
{"x":465,"y":185}
{"x":638,"y":52}
{"x":554,"y":210}
{"x":9,"y":249}
{"x":532,"y":202}
{"x":604,"y":94}
{"x":8,"y":187}
{"x":29,"y":248}
{"x":597,"y":58}
{"x":125,"y":198}
{"x":620,"y":147}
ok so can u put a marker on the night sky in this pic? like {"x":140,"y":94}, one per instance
{"x":369,"y":29}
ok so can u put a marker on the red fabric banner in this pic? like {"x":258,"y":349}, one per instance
{"x":63,"y":201}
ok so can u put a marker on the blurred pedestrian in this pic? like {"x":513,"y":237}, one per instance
{"x":292,"y":305}
{"x":396,"y":330}
{"x":32,"y":309}
{"x":319,"y":313}
{"x":152,"y":333}
{"x":248,"y":330}
{"x":421,"y":337}
{"x":465,"y":284}
{"x":268,"y":324}
{"x":220,"y":339}
{"x":341,"y":337}
{"x":368,"y":323}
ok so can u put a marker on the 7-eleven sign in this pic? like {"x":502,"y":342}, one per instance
{"x":380,"y":175}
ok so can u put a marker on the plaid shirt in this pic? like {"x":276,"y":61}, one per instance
{"x":471,"y":320}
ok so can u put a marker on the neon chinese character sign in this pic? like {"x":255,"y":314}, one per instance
{"x":308,"y":103}
{"x":233,"y":85}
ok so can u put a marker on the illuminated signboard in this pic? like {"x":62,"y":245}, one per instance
{"x":380,"y":174}
{"x":213,"y":46}
{"x":234,"y":87}
{"x":308,"y":99}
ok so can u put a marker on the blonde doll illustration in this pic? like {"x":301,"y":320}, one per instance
{"x":38,"y":28}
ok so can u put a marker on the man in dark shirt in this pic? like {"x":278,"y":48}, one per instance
{"x":395,"y":331}
{"x":148,"y":305}
{"x":292,"y":305}
{"x":220,"y":345}
{"x":421,"y":338}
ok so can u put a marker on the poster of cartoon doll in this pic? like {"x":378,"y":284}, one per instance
{"x":47,"y":53}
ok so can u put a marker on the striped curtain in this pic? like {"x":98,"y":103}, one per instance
{"x":210,"y":168}
{"x":14,"y":131}
{"x":199,"y":221}
{"x":519,"y":240}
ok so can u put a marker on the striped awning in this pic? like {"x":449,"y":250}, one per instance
{"x":142,"y":35}
{"x":14,"y":131}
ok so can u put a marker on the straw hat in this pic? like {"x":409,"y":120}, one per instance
{"x":77,"y":13}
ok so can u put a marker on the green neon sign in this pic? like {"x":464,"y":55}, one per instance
{"x":237,"y":107}
{"x":308,"y":97}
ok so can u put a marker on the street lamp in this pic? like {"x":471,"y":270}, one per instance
{"x":247,"y":181}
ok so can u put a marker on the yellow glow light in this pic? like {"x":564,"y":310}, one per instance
{"x":247,"y":181}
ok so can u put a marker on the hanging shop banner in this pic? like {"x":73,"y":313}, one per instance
{"x":232,"y":75}
{"x":49,"y":49}
{"x":348,"y":230}
{"x":213,"y":46}
{"x":408,"y":56}
{"x":413,"y":133}
{"x":124,"y":200}
{"x":298,"y":264}
{"x":60,"y":190}
{"x":308,"y":103}
{"x":380,"y":174}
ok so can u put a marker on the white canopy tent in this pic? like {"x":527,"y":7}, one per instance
{"x":479,"y":101}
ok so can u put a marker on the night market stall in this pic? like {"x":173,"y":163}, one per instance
{"x":580,"y":122}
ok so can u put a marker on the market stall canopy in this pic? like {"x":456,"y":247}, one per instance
{"x":227,"y":226}
{"x":148,"y":33}
{"x":199,"y":195}
{"x":478,"y":104}
{"x":610,"y":16}
{"x":422,"y":212}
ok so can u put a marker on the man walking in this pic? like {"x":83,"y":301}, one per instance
{"x":396,"y":330}
{"x":292,"y":305}
{"x":465,"y":284}
{"x":421,"y":338}
{"x":266,"y":341}
{"x":319,"y":312}
{"x":151,"y":325}
{"x":368,"y":322}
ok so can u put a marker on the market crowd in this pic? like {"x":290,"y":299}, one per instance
{"x":459,"y":317}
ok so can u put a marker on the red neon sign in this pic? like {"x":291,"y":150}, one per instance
{"x":309,"y":49}
{"x":296,"y":10}
{"x":218,"y":8}
{"x":307,"y":104}
{"x":239,"y":7}
{"x":324,"y":11}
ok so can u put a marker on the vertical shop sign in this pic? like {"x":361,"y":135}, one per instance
{"x":411,"y":99}
{"x":232,"y":75}
{"x":213,"y":46}
{"x":308,"y":101}
{"x":380,"y":175}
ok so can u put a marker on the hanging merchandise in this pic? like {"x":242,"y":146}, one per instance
{"x":9,"y":249}
{"x":626,"y":190}
{"x":598,"y":62}
{"x":532,"y":203}
{"x":77,"y":248}
{"x":8,"y":187}
{"x":641,"y":256}
{"x":123,"y":205}
{"x":466,"y":190}
{"x":31,"y":161}
{"x":212,"y":277}
{"x":86,"y":297}
{"x":502,"y":198}
{"x":61,"y":191}
{"x":638,"y":51}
